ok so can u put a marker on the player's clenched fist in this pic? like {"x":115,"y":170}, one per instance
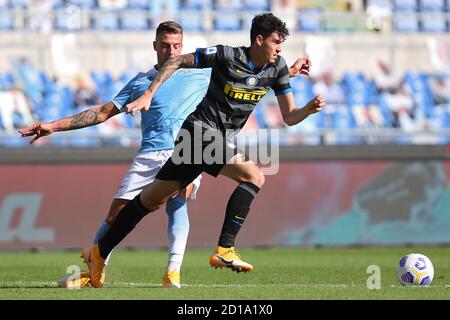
{"x":300,"y":66}
{"x":315,"y":104}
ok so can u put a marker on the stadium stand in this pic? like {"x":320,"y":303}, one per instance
{"x":226,"y":15}
{"x":358,"y":104}
{"x":353,"y":103}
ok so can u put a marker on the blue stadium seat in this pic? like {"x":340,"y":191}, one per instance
{"x":31,"y":81}
{"x":134,"y":20}
{"x":18,"y":3}
{"x":405,"y":5}
{"x":7,"y":81}
{"x":228,"y":5}
{"x":257,"y":5}
{"x":57,"y":4}
{"x":88,"y":4}
{"x":227,"y":22}
{"x":139,"y":4}
{"x":58,"y":103}
{"x":6,"y":20}
{"x":106,"y":20}
{"x":433,"y":22}
{"x":406,"y":22}
{"x":104,"y":84}
{"x":343,"y":120}
{"x":310,"y":20}
{"x":302,"y":89}
{"x":432,"y":5}
{"x":356,"y":87}
{"x":191,"y":21}
{"x":440,"y":118}
{"x":419,"y":87}
{"x":225,"y":17}
{"x":195,"y":4}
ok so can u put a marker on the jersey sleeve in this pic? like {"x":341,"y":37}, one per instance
{"x":281,"y":85}
{"x":124,"y":96}
{"x":205,"y":57}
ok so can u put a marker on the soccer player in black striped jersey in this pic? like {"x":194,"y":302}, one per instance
{"x":240,"y":77}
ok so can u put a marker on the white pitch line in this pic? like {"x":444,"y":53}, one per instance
{"x":36,"y":284}
{"x":199,"y":285}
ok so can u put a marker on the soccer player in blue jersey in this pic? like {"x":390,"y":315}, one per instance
{"x":240,"y":77}
{"x":174,"y":102}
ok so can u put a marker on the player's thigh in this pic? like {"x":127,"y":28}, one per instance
{"x":241,"y":170}
{"x":116,"y":206}
{"x":159,"y":192}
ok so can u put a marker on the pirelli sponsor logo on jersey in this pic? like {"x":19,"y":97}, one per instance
{"x":244,"y":94}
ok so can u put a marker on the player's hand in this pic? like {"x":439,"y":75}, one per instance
{"x":39,"y":129}
{"x":315,"y":104}
{"x":300,"y":66}
{"x":141,"y":104}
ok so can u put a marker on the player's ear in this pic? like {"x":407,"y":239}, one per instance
{"x":259,"y":40}
{"x":154,"y":45}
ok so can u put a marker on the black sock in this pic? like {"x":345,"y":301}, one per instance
{"x":125,"y":222}
{"x":237,"y":209}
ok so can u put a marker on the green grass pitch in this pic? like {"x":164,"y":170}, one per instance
{"x":288,"y":274}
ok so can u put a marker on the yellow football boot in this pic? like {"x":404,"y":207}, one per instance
{"x":171,"y":279}
{"x":228,"y":257}
{"x":83,"y":282}
{"x":95,"y":264}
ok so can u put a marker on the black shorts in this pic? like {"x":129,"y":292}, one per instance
{"x":197,"y":150}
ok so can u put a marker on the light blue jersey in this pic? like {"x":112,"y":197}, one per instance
{"x":177,"y":97}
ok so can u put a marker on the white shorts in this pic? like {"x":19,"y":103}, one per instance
{"x":143,"y":171}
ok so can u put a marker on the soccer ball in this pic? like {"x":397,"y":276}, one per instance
{"x":415,"y":269}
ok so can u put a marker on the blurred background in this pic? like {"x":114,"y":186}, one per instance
{"x":382,"y":140}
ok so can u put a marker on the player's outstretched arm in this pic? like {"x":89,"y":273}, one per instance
{"x":169,"y":67}
{"x":292,"y":114}
{"x":87,"y":118}
{"x":300,"y":66}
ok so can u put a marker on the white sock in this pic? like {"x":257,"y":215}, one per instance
{"x":177,"y":231}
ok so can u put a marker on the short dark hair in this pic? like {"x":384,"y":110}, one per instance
{"x":169,"y":27}
{"x":266,"y":23}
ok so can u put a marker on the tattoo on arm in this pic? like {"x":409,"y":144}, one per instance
{"x":85,"y":119}
{"x":170,"y":66}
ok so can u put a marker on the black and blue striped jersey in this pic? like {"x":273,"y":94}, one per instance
{"x":236,"y":86}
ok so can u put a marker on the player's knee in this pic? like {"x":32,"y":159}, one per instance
{"x":254,"y":175}
{"x":259,"y":178}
